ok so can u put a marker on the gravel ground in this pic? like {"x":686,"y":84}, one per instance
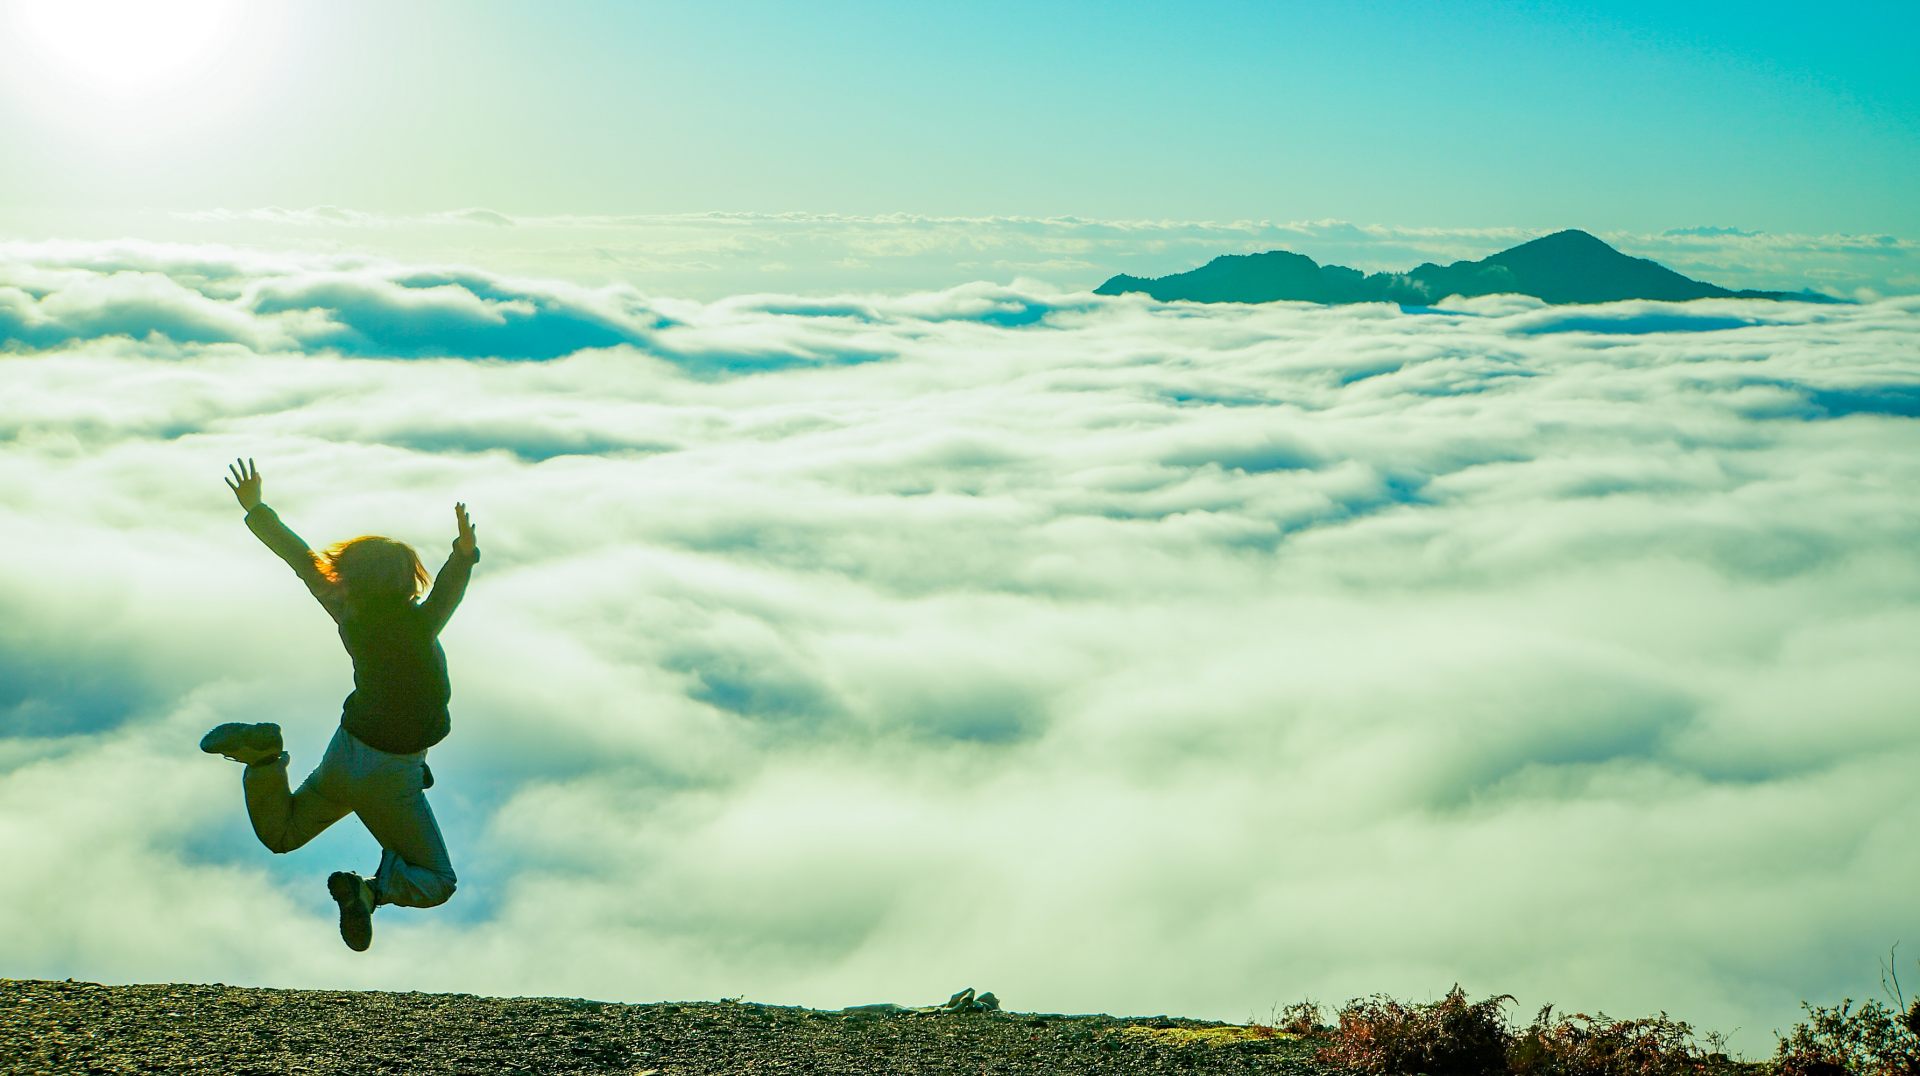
{"x":70,"y":1027}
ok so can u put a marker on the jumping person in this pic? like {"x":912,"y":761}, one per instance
{"x":376,"y":765}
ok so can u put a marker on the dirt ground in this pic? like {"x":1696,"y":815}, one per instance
{"x":72,"y":1027}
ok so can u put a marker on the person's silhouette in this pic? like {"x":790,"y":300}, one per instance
{"x":376,"y":765}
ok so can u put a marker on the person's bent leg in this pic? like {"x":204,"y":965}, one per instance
{"x":411,"y":885}
{"x":415,"y":871}
{"x":283,"y":819}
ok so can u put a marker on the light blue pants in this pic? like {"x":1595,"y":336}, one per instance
{"x":386,"y":792}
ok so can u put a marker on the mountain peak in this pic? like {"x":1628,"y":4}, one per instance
{"x":1566,"y":241}
{"x":1573,"y":266}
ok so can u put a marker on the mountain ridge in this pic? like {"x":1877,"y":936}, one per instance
{"x":1568,"y":266}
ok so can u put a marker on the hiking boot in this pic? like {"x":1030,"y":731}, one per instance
{"x":242,"y":742}
{"x":355,"y":898}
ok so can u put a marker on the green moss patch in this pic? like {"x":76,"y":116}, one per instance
{"x":1223,"y":1035}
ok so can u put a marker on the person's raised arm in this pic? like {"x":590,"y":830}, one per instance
{"x":265,"y":524}
{"x":451,"y":584}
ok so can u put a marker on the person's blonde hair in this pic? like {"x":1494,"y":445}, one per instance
{"x":373,"y":568}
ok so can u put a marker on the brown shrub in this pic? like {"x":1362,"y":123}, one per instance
{"x":1582,"y":1045}
{"x":1300,"y":1018}
{"x":1379,"y":1036}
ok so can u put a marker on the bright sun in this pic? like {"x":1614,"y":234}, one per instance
{"x":120,"y":74}
{"x":124,"y":47}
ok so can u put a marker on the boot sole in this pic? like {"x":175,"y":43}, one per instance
{"x":356,"y":916}
{"x":252,"y":742}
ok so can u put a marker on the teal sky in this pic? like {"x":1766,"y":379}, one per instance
{"x":1791,"y":118}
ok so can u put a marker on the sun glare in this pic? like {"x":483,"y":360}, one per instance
{"x":124,"y":47}
{"x":115,"y":74}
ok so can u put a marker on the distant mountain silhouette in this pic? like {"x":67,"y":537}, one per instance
{"x":1565,"y":267}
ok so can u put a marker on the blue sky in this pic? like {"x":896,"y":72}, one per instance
{"x":1621,"y":116}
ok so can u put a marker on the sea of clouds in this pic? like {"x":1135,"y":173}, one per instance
{"x":1107,"y":654}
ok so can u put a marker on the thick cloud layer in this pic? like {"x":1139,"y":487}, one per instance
{"x":1113,"y":655}
{"x":53,"y":294}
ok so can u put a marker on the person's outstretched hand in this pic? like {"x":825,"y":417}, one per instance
{"x":465,"y":543}
{"x":245,"y":483}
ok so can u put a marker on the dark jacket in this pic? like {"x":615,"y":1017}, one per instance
{"x":400,"y":686}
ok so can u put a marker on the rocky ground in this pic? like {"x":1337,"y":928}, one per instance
{"x":70,"y":1027}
